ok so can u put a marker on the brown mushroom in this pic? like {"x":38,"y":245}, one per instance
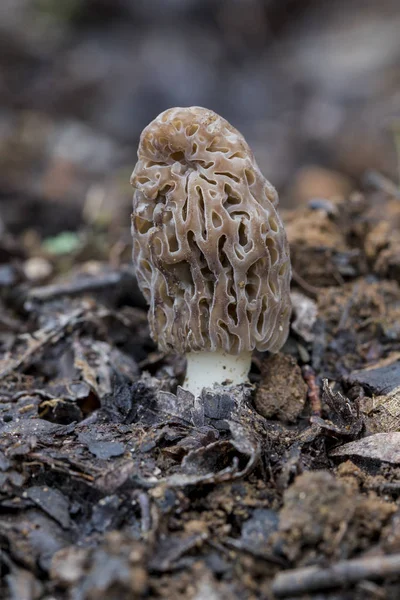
{"x":209,"y":248}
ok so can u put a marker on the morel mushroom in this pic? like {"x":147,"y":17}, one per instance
{"x":210,"y":251}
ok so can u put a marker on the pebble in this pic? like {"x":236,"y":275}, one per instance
{"x":37,"y":269}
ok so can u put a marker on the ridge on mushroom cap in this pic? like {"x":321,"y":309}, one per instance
{"x":210,"y":251}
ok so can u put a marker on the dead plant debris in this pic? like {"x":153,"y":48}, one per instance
{"x":116,"y":483}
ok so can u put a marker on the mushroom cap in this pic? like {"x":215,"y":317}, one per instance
{"x":209,"y":249}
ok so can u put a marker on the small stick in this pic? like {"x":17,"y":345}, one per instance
{"x":341,"y":574}
{"x":381,"y":183}
{"x":83,"y":285}
{"x":313,"y":390}
{"x":144,"y":504}
{"x":307,"y":287}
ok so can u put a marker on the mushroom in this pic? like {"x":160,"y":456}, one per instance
{"x":209,"y":249}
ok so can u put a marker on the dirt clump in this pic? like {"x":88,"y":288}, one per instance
{"x":282,"y":391}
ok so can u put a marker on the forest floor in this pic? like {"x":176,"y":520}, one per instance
{"x":115,"y":484}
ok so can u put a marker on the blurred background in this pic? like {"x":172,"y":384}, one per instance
{"x":314,"y":85}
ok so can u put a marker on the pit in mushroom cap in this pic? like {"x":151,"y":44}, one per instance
{"x":210,"y":251}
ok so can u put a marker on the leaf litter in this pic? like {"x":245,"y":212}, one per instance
{"x":117,"y":483}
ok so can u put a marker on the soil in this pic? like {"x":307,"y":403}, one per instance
{"x":115,"y":483}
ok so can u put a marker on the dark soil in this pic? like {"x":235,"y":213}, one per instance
{"x":116,"y":484}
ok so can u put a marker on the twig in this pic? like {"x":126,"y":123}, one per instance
{"x":61,"y":465}
{"x":342,"y":574}
{"x":241,"y":547}
{"x":307,"y":287}
{"x":82,"y":285}
{"x":313,"y":390}
{"x":144,"y":504}
{"x":381,"y":183}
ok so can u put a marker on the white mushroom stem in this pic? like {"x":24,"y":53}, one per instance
{"x":204,"y":369}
